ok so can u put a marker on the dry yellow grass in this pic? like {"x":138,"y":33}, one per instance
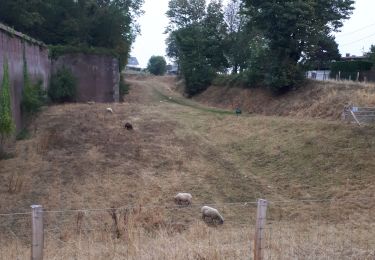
{"x":317,"y":99}
{"x":283,"y":240}
{"x":79,"y":156}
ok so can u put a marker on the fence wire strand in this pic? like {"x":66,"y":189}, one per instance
{"x":292,"y":230}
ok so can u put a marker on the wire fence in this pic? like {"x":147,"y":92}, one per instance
{"x":304,"y":229}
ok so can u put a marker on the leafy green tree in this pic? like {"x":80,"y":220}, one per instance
{"x":183,"y":13}
{"x":194,"y":66}
{"x":371,"y":54}
{"x":320,"y":55}
{"x":32,"y":94}
{"x":96,"y":23}
{"x":237,"y":40}
{"x":21,"y":14}
{"x":291,"y":28}
{"x":7,"y":126}
{"x":196,"y":41}
{"x":157,"y":65}
{"x":214,"y":29}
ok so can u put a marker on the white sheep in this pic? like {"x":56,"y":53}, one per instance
{"x":184,"y":199}
{"x":109,"y":110}
{"x":211,"y":216}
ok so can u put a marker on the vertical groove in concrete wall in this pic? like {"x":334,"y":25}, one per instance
{"x":116,"y":80}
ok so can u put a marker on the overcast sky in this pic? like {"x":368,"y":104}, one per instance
{"x":357,"y":34}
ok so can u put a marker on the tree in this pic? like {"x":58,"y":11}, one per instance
{"x":183,"y":13}
{"x":157,"y":65}
{"x":95,"y":23}
{"x":215,"y":29}
{"x":371,"y":54}
{"x":197,"y":72}
{"x":196,"y":41}
{"x":63,"y":87}
{"x":237,"y":41}
{"x":291,"y":29}
{"x":320,"y":55}
{"x":7,"y":126}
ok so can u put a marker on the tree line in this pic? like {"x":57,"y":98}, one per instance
{"x":261,"y":42}
{"x":110,"y":24}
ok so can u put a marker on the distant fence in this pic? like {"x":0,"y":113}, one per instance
{"x":359,"y":115}
{"x":252,"y":230}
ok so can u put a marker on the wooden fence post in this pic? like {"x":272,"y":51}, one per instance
{"x":37,"y":232}
{"x":259,"y":229}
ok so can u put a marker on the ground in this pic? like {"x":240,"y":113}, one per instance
{"x":80,"y":156}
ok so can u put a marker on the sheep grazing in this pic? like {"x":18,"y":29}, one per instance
{"x":128,"y":126}
{"x":91,"y":102}
{"x":183,"y":199}
{"x":211,"y":216}
{"x":109,"y":110}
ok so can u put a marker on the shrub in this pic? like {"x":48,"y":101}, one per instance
{"x":33,"y":97}
{"x":349,"y":69}
{"x":7,"y":126}
{"x":245,"y":79}
{"x":63,"y":86}
{"x":124,"y":88}
{"x":6,"y":121}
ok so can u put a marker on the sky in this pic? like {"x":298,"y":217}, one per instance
{"x":356,"y":36}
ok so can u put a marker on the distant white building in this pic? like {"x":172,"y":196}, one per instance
{"x":318,"y":74}
{"x":172,"y":69}
{"x":133,"y":64}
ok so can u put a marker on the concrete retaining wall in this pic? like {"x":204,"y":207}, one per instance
{"x":12,"y":48}
{"x":98,"y":75}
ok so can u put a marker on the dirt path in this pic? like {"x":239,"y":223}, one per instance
{"x":243,"y":186}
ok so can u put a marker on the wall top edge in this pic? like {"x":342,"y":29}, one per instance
{"x":20,"y":35}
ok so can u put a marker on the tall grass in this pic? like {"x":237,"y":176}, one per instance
{"x":283,"y":240}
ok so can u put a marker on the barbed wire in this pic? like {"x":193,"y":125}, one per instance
{"x":166,"y":206}
{"x":14,"y":214}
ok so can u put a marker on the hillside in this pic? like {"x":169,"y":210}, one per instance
{"x":81,"y":157}
{"x":315,"y":100}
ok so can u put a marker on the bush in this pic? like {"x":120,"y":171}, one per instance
{"x":33,"y":97}
{"x":124,"y":88}
{"x":63,"y":86}
{"x":245,"y":79}
{"x":7,"y":126}
{"x":197,"y":78}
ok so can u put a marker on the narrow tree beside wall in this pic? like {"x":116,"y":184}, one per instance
{"x":32,"y":94}
{"x":7,"y":126}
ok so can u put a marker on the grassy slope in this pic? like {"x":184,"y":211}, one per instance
{"x":314,"y":100}
{"x":80,"y":148}
{"x":79,"y":156}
